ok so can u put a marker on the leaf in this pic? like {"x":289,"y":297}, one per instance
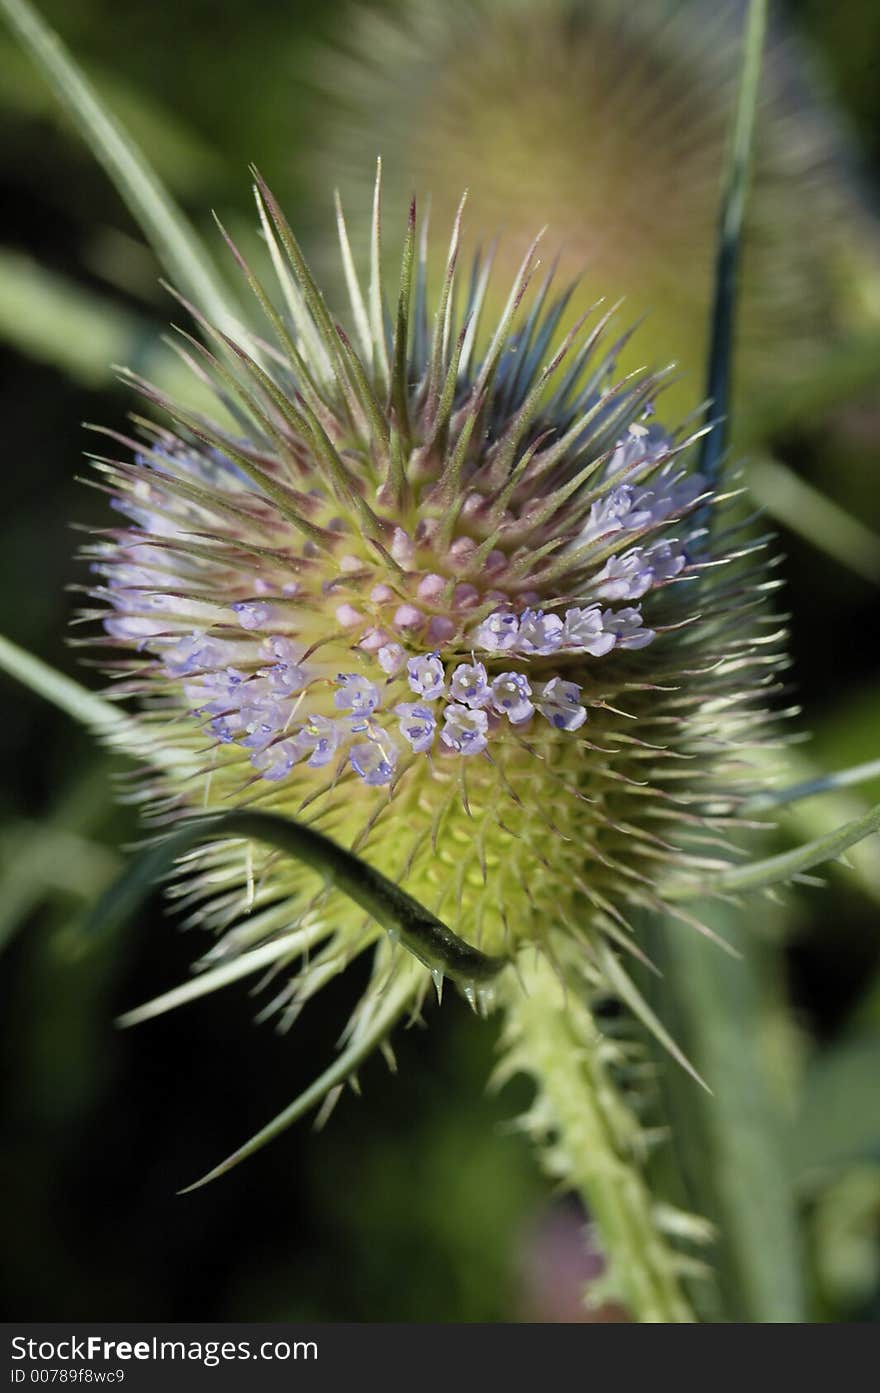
{"x":806,"y":817}
{"x":185,"y":160}
{"x":849,"y":732}
{"x":839,"y":1118}
{"x":426,"y":937}
{"x":729,"y":1150}
{"x":174,"y":241}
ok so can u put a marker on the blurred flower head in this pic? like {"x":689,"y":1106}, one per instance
{"x":610,"y":121}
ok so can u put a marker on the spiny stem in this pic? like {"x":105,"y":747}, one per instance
{"x":550,"y":1034}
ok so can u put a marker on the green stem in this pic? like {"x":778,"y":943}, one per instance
{"x":733,"y":203}
{"x":594,"y":1137}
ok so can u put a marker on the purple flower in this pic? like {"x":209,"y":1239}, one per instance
{"x":321,"y":736}
{"x":497,"y":633}
{"x":133,"y":629}
{"x":417,"y":725}
{"x":667,"y":560}
{"x":623,"y":508}
{"x":285,"y":679}
{"x":225,"y":728}
{"x":252,"y":614}
{"x":262,"y":716}
{"x":625,"y":577}
{"x":374,"y":760}
{"x":356,"y":694}
{"x":583,"y":629}
{"x":195,"y":652}
{"x":560,"y":702}
{"x":390,"y":658}
{"x":627,"y":627}
{"x":510,"y":696}
{"x":277,"y":760}
{"x":539,"y":633}
{"x":427,"y":677}
{"x":282,"y":650}
{"x":464,"y":729}
{"x":215,"y":693}
{"x":469,"y":684}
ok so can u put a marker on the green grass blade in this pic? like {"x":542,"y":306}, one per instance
{"x":174,"y":241}
{"x":733,"y":201}
{"x":805,"y":818}
{"x":57,"y":321}
{"x":115,"y":727}
{"x":54,"y":320}
{"x":815,"y":517}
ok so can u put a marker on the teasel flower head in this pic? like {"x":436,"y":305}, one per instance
{"x":612,"y":120}
{"x":452,"y":599}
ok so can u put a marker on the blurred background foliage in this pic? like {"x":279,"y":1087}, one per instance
{"x":420,"y":1202}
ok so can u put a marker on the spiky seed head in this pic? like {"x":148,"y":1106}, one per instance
{"x":455,"y":599}
{"x":612,"y":119}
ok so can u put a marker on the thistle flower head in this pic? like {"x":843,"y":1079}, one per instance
{"x":446,"y":595}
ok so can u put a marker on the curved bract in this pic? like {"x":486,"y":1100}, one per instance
{"x":429,"y":940}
